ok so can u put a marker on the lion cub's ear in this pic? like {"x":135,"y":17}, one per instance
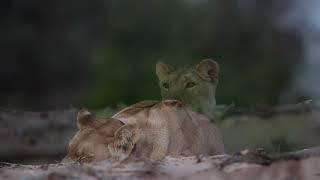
{"x":162,"y":70}
{"x":208,"y":70}
{"x":85,"y":119}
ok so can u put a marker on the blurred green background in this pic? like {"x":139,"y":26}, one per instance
{"x":101,"y":53}
{"x":257,"y":58}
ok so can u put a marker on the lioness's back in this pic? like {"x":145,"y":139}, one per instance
{"x":169,"y":128}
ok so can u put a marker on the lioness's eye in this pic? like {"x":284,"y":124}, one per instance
{"x":165,"y":85}
{"x":190,"y":85}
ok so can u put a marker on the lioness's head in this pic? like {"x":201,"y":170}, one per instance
{"x":194,"y":86}
{"x":92,"y":139}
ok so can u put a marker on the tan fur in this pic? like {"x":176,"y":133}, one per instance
{"x":156,"y":130}
{"x":168,"y":128}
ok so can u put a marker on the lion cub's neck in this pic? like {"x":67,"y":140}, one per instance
{"x":194,"y":86}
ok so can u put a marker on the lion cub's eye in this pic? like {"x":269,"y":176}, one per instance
{"x":165,"y":86}
{"x":190,"y":85}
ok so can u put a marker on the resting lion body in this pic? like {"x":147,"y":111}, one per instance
{"x":150,"y":130}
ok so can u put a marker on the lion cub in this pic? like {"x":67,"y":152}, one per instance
{"x":148,"y":130}
{"x":194,"y":86}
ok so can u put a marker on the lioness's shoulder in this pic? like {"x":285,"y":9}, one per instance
{"x":136,"y":108}
{"x":144,"y":104}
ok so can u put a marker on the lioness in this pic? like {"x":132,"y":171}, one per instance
{"x":147,"y":129}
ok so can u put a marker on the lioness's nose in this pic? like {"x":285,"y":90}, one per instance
{"x":172,"y":96}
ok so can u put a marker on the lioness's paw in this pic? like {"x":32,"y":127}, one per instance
{"x":120,"y":149}
{"x":127,"y":133}
{"x":119,"y":152}
{"x":124,"y":141}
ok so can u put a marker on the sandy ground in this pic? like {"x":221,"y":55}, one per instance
{"x":224,"y":167}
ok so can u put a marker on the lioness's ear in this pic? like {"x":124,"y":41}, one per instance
{"x":85,"y":119}
{"x":162,"y":70}
{"x":208,"y":70}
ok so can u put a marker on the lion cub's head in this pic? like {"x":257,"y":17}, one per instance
{"x":93,"y":139}
{"x":194,"y":86}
